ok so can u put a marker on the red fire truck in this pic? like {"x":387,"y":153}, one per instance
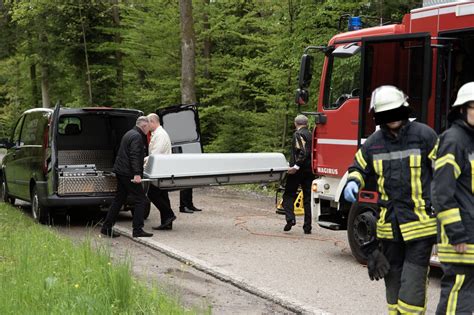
{"x":429,"y":55}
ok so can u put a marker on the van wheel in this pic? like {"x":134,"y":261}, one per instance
{"x":146,"y":213}
{"x":40,"y":213}
{"x":361,"y":228}
{"x":4,"y":193}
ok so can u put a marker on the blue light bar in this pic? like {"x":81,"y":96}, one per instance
{"x":355,"y":23}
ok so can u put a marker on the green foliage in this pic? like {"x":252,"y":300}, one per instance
{"x":42,"y":273}
{"x":245,"y":81}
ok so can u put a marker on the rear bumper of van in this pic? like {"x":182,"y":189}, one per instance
{"x":55,"y":200}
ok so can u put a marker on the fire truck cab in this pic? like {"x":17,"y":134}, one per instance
{"x":429,"y":56}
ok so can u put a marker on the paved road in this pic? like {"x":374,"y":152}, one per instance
{"x":240,"y":233}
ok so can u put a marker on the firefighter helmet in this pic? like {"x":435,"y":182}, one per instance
{"x":389,"y":104}
{"x":465,"y":94}
{"x":387,"y":97}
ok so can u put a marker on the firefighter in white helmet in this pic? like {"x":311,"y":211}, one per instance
{"x":453,"y":198}
{"x":400,"y":156}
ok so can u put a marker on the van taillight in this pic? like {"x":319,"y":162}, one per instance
{"x":45,"y":149}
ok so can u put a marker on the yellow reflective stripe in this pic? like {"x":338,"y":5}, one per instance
{"x":448,"y":254}
{"x":449,"y":216}
{"x":448,"y":159}
{"x":472,"y":176}
{"x":406,"y":308}
{"x":416,"y":188}
{"x":428,"y":231}
{"x":384,"y":230}
{"x":453,"y":295}
{"x":360,"y":159}
{"x":456,"y":258}
{"x":450,"y":248}
{"x":432,"y":154}
{"x":383,"y":213}
{"x":406,"y":227}
{"x":444,"y":237}
{"x":357,"y":176}
{"x":392,"y":309}
{"x":378,"y":167}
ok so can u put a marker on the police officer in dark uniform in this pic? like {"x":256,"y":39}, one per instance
{"x":299,"y":173}
{"x":400,"y":156}
{"x":453,"y":198}
{"x":128,"y":168}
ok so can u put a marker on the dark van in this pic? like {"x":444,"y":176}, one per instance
{"x":64,"y":157}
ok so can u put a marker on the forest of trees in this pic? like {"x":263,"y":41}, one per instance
{"x":127,"y":53}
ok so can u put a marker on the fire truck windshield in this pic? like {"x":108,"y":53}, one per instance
{"x":342,"y":80}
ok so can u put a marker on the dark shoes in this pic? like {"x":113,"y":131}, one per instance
{"x":109,"y":233}
{"x":163,"y":227}
{"x":307,"y":231}
{"x":289,"y":225}
{"x":186,"y":210}
{"x":141,"y":233}
{"x":167,"y":225}
{"x":195,"y":209}
{"x":190,"y":209}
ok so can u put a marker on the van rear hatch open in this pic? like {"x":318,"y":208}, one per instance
{"x":86,"y":143}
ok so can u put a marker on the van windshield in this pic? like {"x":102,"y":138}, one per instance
{"x":342,"y":81}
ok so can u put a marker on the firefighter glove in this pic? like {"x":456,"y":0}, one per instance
{"x":377,"y":265}
{"x":351,"y":191}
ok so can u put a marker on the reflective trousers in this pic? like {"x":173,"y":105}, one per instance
{"x":457,"y":290}
{"x":407,"y":279}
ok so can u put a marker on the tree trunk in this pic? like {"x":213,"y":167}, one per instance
{"x":291,"y":14}
{"x":206,"y":51}
{"x":45,"y":72}
{"x":118,"y":53}
{"x":188,"y":89}
{"x":34,"y":84}
{"x":86,"y":56}
{"x":45,"y":85}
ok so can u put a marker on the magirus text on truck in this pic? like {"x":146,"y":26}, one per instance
{"x":429,"y":56}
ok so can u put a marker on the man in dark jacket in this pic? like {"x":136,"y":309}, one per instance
{"x":299,"y":173}
{"x":453,"y":198}
{"x":400,"y":156}
{"x":128,"y":168}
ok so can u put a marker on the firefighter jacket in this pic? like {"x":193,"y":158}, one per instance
{"x":301,"y":145}
{"x":453,"y":193}
{"x":402,"y":167}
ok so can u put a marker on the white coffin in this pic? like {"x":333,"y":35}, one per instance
{"x":194,"y":170}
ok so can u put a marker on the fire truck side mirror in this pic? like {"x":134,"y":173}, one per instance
{"x":306,"y":71}
{"x":301,"y":97}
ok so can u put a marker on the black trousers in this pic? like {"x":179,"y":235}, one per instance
{"x":303,"y":179}
{"x":457,"y":290}
{"x":161,"y":201}
{"x":186,"y":198}
{"x":406,"y":281}
{"x":137,"y":195}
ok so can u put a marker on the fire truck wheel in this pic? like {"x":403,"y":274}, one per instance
{"x":361,"y":228}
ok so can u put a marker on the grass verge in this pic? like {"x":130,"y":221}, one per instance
{"x":42,"y":273}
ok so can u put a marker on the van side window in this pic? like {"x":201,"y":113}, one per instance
{"x":17,"y":131}
{"x":30,"y":130}
{"x":69,"y":126}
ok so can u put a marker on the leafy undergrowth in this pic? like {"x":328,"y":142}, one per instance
{"x":43,"y":273}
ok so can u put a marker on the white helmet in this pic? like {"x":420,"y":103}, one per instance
{"x":465,"y":94}
{"x":387,"y":97}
